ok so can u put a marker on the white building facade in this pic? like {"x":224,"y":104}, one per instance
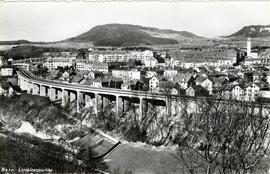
{"x":127,"y":75}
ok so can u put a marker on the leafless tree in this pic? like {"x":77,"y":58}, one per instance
{"x":223,"y":136}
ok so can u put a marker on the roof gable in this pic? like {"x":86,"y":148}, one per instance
{"x":200,"y":79}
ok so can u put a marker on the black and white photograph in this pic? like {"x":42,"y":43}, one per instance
{"x":135,"y":86}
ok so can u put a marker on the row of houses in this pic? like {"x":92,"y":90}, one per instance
{"x":118,"y":55}
{"x":180,"y":58}
{"x":84,"y":64}
{"x":79,"y":64}
{"x":212,"y":81}
{"x":199,"y":57}
{"x":233,"y":83}
{"x":105,"y":56}
{"x":55,"y":62}
{"x":192,"y":84}
{"x":246,"y":92}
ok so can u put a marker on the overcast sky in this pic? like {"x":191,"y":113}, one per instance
{"x":53,"y":21}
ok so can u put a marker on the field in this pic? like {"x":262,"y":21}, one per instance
{"x":6,"y":47}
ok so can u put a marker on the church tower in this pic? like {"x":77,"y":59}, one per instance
{"x":248,"y":47}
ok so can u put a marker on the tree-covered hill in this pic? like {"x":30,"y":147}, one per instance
{"x":131,"y":35}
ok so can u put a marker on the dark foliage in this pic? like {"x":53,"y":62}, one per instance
{"x":29,"y":51}
{"x":27,"y":152}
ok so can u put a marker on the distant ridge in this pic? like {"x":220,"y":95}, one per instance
{"x":14,"y":42}
{"x":253,"y":31}
{"x":20,"y":42}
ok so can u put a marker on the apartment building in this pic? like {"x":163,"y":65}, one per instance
{"x":118,"y":55}
{"x":83,"y":64}
{"x":127,"y":75}
{"x":252,"y":91}
{"x":108,"y":56}
{"x":150,"y":62}
{"x":100,"y":67}
{"x":237,"y":92}
{"x":139,"y":55}
{"x":53,"y":63}
{"x":6,"y":70}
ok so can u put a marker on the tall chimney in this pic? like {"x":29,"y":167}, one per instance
{"x":248,"y":47}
